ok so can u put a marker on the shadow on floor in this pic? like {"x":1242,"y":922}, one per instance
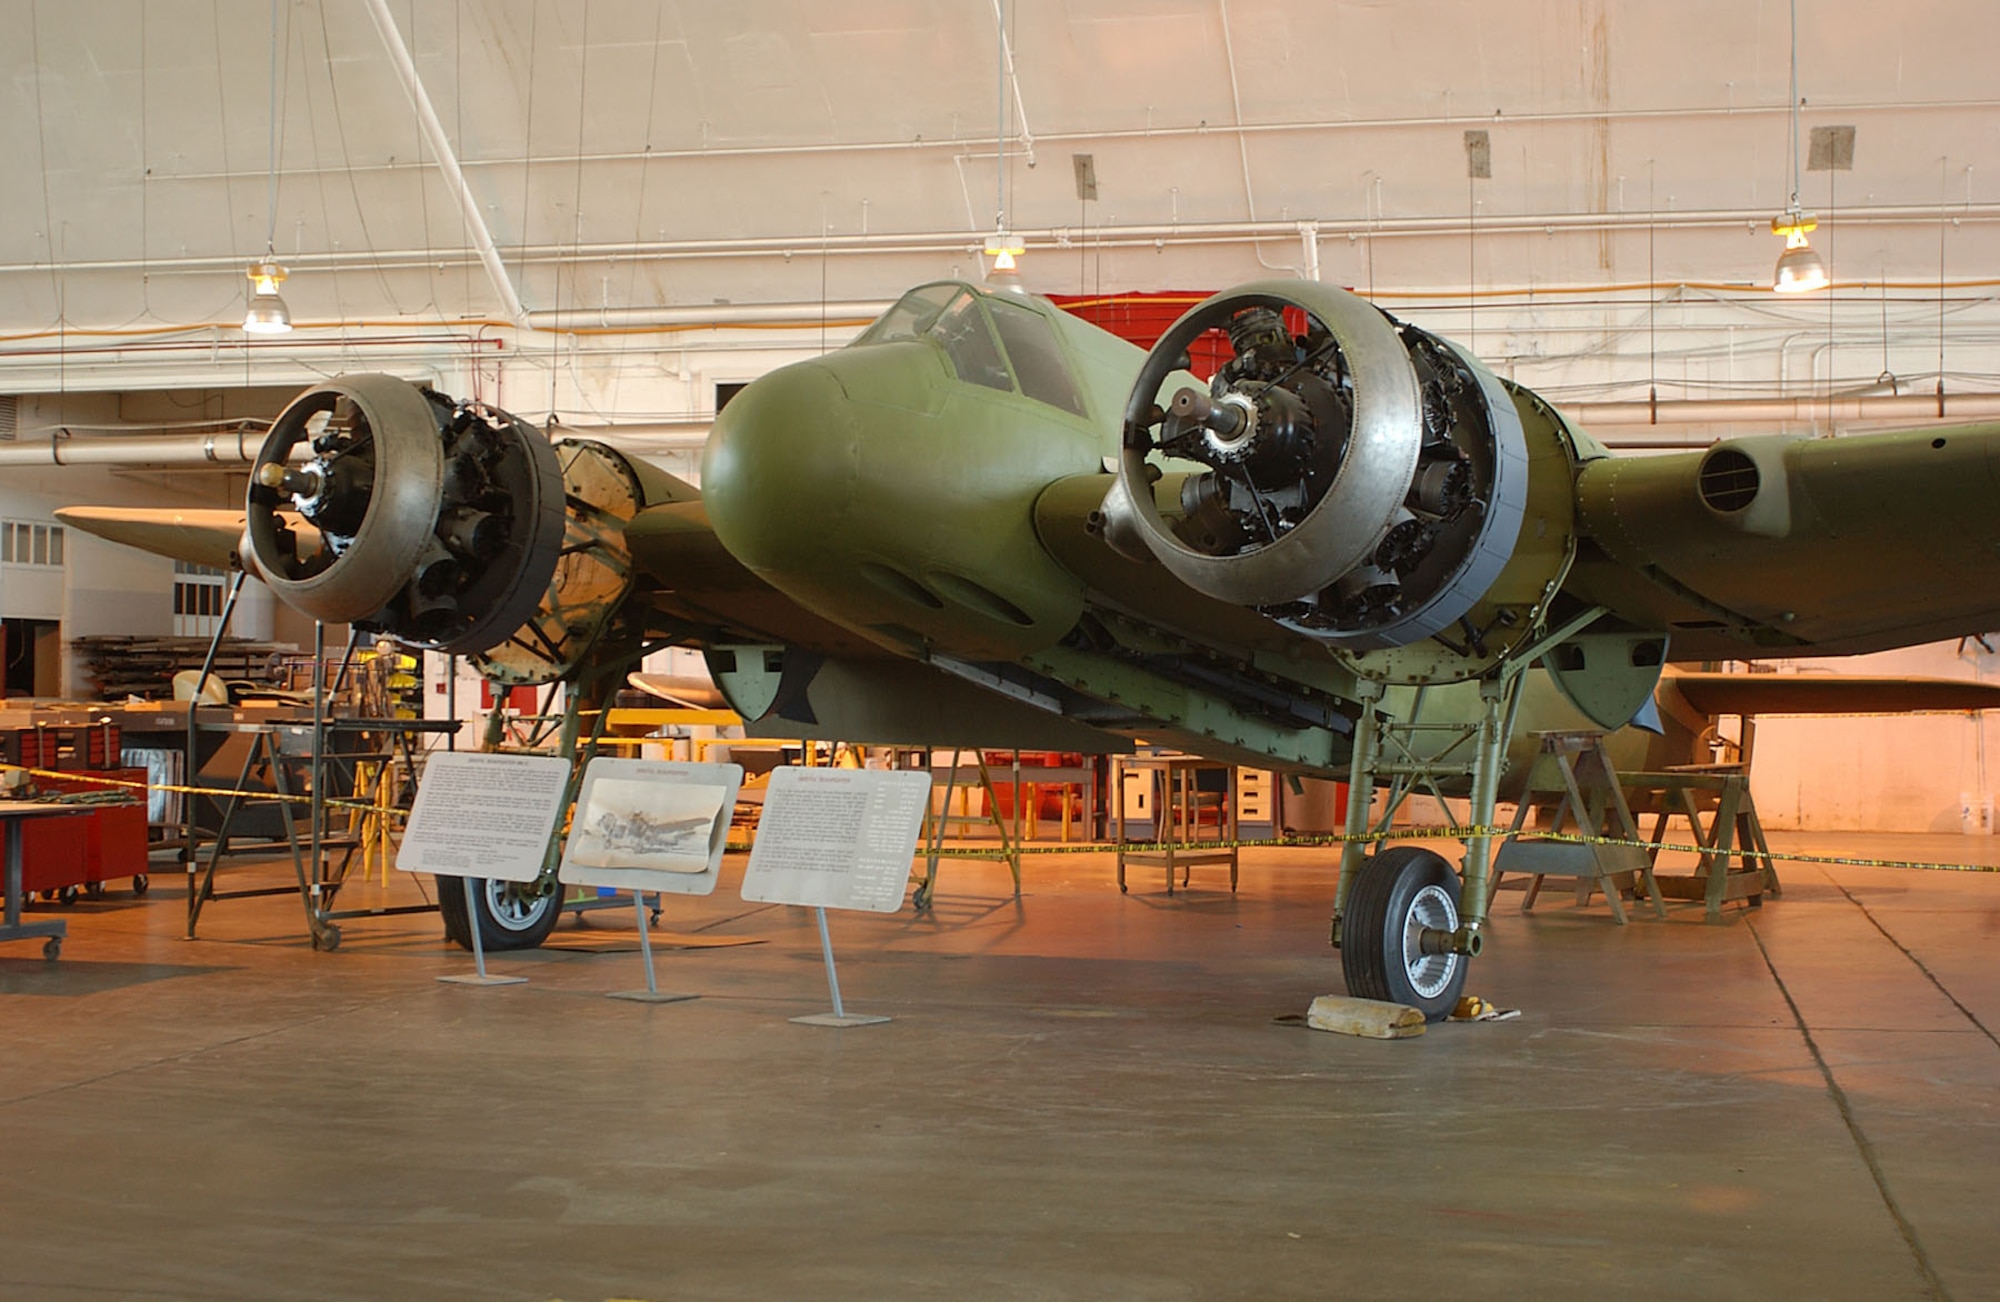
{"x":70,"y":977}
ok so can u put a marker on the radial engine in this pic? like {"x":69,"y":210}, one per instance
{"x":1351,"y":476}
{"x":447,"y":525}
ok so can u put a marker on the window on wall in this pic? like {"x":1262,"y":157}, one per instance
{"x":23,"y":542}
{"x":197,"y":599}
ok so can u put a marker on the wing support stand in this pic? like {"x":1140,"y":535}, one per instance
{"x":191,"y":768}
{"x":1413,"y":755}
{"x":933,"y":837}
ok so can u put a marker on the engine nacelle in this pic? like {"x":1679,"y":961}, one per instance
{"x":1359,"y":480}
{"x":448,"y":525}
{"x":438,"y":522}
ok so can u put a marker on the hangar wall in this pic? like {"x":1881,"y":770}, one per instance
{"x":1886,"y":772}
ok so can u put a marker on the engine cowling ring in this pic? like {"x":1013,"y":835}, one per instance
{"x":1467,"y":565}
{"x":1356,"y":510}
{"x":1365,"y":481}
{"x":398,"y":504}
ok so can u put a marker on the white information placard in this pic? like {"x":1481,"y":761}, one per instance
{"x":482,"y":815}
{"x":651,"y":825}
{"x":837,"y":838}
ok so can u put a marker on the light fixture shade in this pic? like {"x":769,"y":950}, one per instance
{"x":1003,"y":248}
{"x":1800,"y":271}
{"x":268,"y":314}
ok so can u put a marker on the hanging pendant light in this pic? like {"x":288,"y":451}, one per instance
{"x":1003,"y":246}
{"x":268,"y":314}
{"x":1799,"y":269}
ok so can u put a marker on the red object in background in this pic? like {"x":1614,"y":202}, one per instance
{"x":55,"y":853}
{"x":71,"y":746}
{"x":521,"y":700}
{"x":1141,"y":318}
{"x":102,"y":843}
{"x":1049,"y":800}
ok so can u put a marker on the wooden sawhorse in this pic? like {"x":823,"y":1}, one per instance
{"x":1735,"y":861}
{"x":1573,"y":785}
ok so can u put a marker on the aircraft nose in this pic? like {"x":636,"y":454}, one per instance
{"x":779,"y":470}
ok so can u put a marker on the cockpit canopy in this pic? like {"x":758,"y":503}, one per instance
{"x":990,"y":341}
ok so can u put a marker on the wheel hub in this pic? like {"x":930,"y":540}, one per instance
{"x":1431,"y":909}
{"x":512,"y":906}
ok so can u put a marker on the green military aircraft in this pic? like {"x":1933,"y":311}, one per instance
{"x":1352,"y":551}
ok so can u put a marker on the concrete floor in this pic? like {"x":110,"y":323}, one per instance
{"x":1082,"y":1095}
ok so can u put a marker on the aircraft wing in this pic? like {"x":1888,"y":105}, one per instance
{"x":197,"y":537}
{"x":1886,"y":543}
{"x":1830,"y":546}
{"x":1715,"y":693}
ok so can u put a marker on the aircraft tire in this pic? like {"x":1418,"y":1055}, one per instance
{"x":508,"y":918}
{"x":1396,"y":894}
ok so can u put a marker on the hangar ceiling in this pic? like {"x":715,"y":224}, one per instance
{"x":685,"y":176}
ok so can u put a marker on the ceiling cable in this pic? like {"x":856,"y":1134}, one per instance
{"x":271,"y":189}
{"x":1795,"y":105}
{"x":999,"y":117}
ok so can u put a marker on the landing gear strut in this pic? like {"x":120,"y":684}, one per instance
{"x":1406,"y":924}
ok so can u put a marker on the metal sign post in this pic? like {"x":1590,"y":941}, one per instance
{"x":839,"y":1016}
{"x":652,"y":994}
{"x":839,"y":839}
{"x":478,"y":949}
{"x":484,"y":818}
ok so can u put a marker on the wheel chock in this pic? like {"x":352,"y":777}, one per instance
{"x":1373,"y":1019}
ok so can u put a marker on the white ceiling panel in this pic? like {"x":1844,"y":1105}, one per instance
{"x":633,"y":157}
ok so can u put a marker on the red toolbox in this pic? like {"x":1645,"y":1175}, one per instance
{"x":102,"y":843}
{"x":80,"y":747}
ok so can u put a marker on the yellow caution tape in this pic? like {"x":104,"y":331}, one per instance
{"x":217,"y":793}
{"x":1295,"y":841}
{"x":1448,"y":834}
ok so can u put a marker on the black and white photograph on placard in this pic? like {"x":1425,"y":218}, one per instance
{"x":659,"y":826}
{"x":651,"y":825}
